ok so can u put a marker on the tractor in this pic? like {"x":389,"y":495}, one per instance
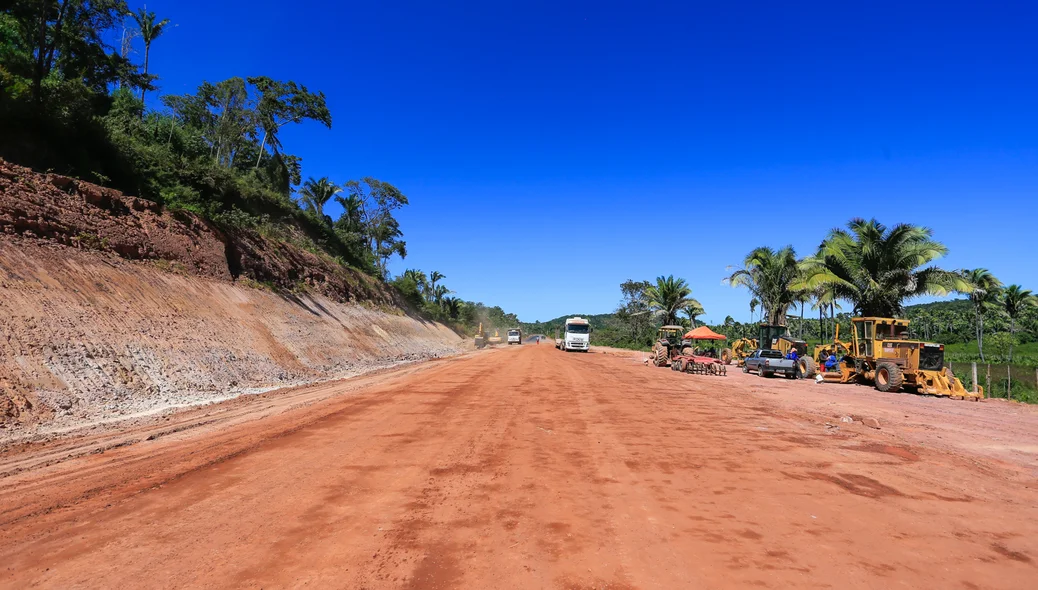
{"x":669,"y":344}
{"x":882,"y":353}
{"x":778,"y":338}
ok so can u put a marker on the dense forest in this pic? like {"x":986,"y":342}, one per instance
{"x":72,"y":102}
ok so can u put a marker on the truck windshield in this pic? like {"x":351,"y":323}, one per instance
{"x":576,"y":329}
{"x":513,"y":333}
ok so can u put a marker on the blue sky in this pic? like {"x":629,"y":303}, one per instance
{"x":553,"y":150}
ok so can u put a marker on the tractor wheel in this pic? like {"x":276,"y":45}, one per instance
{"x":807,"y":367}
{"x":726,"y":356}
{"x":889,"y":377}
{"x":687,"y":351}
{"x":660,"y":355}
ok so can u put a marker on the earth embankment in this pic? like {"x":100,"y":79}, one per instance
{"x":111,"y":306}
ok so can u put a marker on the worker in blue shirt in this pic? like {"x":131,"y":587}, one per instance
{"x":830,"y":363}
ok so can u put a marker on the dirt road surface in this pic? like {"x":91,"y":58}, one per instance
{"x":533,"y":468}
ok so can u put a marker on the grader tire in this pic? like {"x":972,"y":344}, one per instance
{"x":889,"y":377}
{"x":726,"y":356}
{"x":807,"y":367}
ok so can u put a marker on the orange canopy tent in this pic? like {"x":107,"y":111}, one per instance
{"x":704,"y":333}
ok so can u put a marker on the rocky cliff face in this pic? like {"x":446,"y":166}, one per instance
{"x":110,"y":306}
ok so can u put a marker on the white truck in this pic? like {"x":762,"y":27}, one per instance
{"x":576,"y":335}
{"x":515,"y":336}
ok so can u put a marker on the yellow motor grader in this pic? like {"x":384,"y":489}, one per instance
{"x":740,"y":349}
{"x":882,"y":353}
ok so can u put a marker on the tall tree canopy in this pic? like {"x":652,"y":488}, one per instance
{"x":878,"y":268}
{"x":669,"y":296}
{"x":281,"y":103}
{"x":983,"y":290}
{"x":771,"y":277}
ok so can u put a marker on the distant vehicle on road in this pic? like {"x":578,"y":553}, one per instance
{"x":515,"y":336}
{"x":576,"y":335}
{"x":770,"y":362}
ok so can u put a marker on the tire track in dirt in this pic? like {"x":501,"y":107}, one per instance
{"x":523,"y":467}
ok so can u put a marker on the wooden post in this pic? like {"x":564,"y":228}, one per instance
{"x":988,"y":381}
{"x":974,"y":377}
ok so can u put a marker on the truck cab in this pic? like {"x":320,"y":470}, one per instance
{"x":576,"y":335}
{"x":515,"y":336}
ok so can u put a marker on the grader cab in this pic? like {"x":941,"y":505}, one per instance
{"x":778,"y":338}
{"x":883,"y":353}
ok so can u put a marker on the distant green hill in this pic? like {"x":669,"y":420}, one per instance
{"x":597,"y":321}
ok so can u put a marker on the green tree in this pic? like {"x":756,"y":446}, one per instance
{"x":150,"y":30}
{"x":668,"y":296}
{"x":317,"y":193}
{"x":770,"y":276}
{"x":61,"y":43}
{"x":878,"y":268}
{"x":281,"y":103}
{"x":693,"y":311}
{"x":1016,"y":300}
{"x":435,"y":277}
{"x":381,"y":229}
{"x":983,"y":289}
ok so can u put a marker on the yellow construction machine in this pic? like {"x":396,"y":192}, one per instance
{"x":778,"y":338}
{"x":741,"y":348}
{"x":837,"y":348}
{"x":481,"y":337}
{"x":495,"y":339}
{"x":882,"y":353}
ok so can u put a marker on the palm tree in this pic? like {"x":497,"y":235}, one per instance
{"x":983,"y":289}
{"x":150,"y":30}
{"x":418,"y":277}
{"x":352,"y":218}
{"x":317,"y":193}
{"x":770,"y":276}
{"x":434,"y":277}
{"x":438,"y":292}
{"x":668,"y":296}
{"x":451,"y":305}
{"x":693,"y":310}
{"x":1015,"y":299}
{"x":878,"y":268}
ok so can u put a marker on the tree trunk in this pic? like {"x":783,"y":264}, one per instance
{"x":147,"y":52}
{"x":980,"y":333}
{"x":1012,"y":337}
{"x":801,"y":320}
{"x":41,"y":51}
{"x":262,"y":145}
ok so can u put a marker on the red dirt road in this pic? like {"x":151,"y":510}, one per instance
{"x":531,"y":468}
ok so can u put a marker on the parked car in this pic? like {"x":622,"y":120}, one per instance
{"x":770,"y":362}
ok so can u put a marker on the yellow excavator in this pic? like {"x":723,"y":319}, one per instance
{"x":481,"y":337}
{"x":882,"y":353}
